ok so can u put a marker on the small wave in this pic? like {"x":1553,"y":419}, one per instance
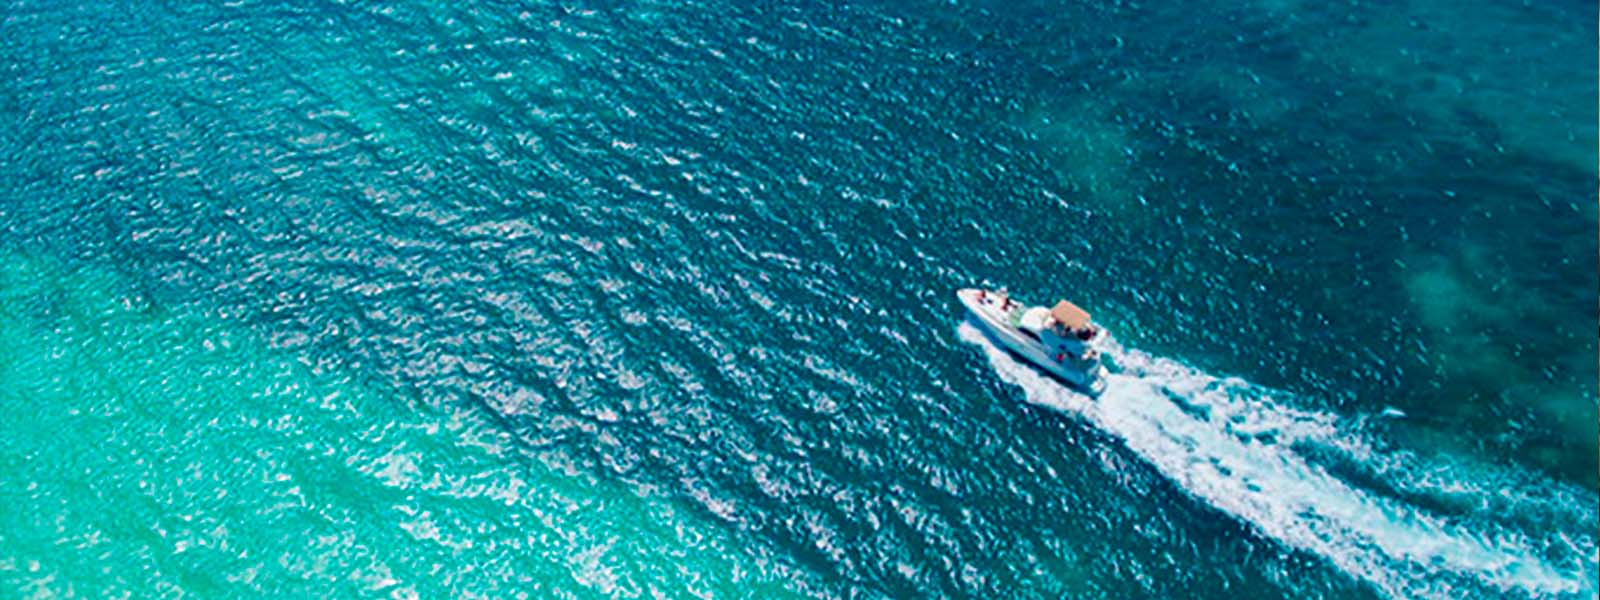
{"x":1234,"y":446}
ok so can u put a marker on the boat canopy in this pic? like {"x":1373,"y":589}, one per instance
{"x":1069,"y":315}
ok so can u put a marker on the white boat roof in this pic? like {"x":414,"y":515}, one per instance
{"x":1034,"y":319}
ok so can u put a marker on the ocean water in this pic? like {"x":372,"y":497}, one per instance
{"x":490,"y":299}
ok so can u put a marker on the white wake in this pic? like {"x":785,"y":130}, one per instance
{"x":1232,"y":445}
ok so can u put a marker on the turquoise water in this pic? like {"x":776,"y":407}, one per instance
{"x":500,"y":300}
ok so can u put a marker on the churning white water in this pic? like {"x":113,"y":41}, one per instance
{"x":1236,"y":446}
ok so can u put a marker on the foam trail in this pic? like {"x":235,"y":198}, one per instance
{"x":1228,"y":443}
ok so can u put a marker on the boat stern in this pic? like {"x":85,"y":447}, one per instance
{"x":1096,"y":381}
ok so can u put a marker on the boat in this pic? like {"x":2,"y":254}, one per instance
{"x":1060,"y":340}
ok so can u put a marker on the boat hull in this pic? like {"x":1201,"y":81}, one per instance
{"x":994,"y":321}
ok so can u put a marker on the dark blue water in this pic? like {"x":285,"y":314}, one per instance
{"x":659,"y":298}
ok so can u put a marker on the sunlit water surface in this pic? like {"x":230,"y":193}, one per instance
{"x":492,"y":299}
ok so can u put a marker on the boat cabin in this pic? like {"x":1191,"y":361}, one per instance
{"x":1064,"y":329}
{"x":1069,"y":320}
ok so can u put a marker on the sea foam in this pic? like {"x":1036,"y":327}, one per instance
{"x":1236,"y":446}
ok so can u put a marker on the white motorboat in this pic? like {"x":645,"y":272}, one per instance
{"x":1059,"y":340}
